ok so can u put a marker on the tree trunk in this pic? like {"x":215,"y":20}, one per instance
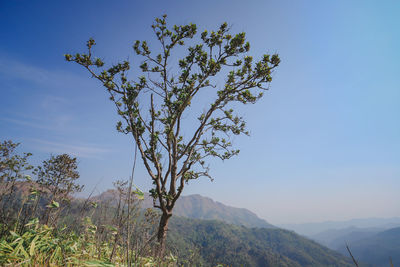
{"x":162,"y":234}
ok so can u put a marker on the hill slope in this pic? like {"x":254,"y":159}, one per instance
{"x":233,"y":245}
{"x":377,"y":249}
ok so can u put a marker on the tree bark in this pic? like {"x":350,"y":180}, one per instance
{"x":162,"y":234}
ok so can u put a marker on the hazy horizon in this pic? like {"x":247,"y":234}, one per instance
{"x":325,"y":139}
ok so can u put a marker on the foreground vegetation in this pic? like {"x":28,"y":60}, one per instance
{"x":40,"y":245}
{"x":41,"y":224}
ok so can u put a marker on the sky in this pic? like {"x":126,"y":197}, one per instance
{"x":325,"y":139}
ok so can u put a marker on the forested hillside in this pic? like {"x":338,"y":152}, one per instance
{"x":216,"y":242}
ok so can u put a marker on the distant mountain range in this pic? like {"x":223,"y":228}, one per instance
{"x":373,"y":241}
{"x":311,"y":229}
{"x":199,"y":207}
{"x":337,"y":238}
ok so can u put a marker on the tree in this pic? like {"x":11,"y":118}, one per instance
{"x":13,"y":169}
{"x":153,"y":106}
{"x":57,"y":176}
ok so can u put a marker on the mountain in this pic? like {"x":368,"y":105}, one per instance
{"x":311,"y":229}
{"x":337,"y":238}
{"x":199,"y":207}
{"x":214,"y":242}
{"x":378,"y":249}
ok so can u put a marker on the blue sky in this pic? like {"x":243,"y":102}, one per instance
{"x":325,"y":140}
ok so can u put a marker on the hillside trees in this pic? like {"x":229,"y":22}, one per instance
{"x":13,"y":169}
{"x":58,"y":176}
{"x":154,"y":108}
{"x":20,"y":195}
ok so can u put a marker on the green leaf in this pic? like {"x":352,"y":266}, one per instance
{"x":139,"y":194}
{"x":34,"y":221}
{"x":54,"y":204}
{"x":14,"y":234}
{"x":33,"y":245}
{"x":96,"y":263}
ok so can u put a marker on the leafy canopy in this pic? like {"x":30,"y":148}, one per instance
{"x":153,"y":105}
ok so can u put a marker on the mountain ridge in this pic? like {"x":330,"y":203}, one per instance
{"x":200,"y":207}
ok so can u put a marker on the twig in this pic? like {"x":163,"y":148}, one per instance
{"x":129,"y":206}
{"x":354,"y":260}
{"x":87,"y":199}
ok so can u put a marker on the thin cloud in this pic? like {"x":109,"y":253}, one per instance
{"x":29,"y":123}
{"x":51,"y":102}
{"x":12,"y":68}
{"x":20,"y":70}
{"x":80,"y":151}
{"x":57,"y":123}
